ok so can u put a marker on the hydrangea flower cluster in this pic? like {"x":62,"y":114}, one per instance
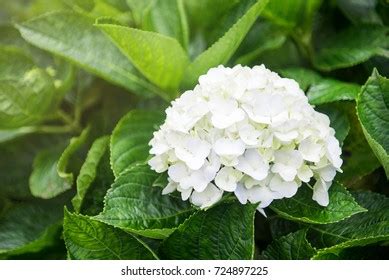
{"x":249,"y":132}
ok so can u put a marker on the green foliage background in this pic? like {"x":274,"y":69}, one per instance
{"x":84,"y":83}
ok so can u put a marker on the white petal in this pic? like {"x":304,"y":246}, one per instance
{"x":229,"y":147}
{"x":207,"y":198}
{"x":284,"y":189}
{"x":241,"y":193}
{"x":159,"y":163}
{"x":193,"y":152}
{"x":320,"y":192}
{"x":171,"y":187}
{"x":304,"y":173}
{"x":310,"y":150}
{"x":177,"y":172}
{"x":253,"y":164}
{"x":227,"y":179}
{"x":263,"y":195}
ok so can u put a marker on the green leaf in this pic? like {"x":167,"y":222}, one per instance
{"x":85,"y":45}
{"x":138,"y":9}
{"x":29,"y":227}
{"x":88,"y":239}
{"x":27,"y":93}
{"x":130,"y":138}
{"x":223,"y":232}
{"x":293,"y":246}
{"x":74,"y":145}
{"x":292,"y":13}
{"x":330,"y":90}
{"x":134,"y":204}
{"x":351,"y":47}
{"x":93,"y":201}
{"x":88,"y":170}
{"x":168,"y":18}
{"x":356,"y":150}
{"x":373,"y":113}
{"x":302,"y":208}
{"x":221,"y":51}
{"x":159,"y":58}
{"x":360,"y":230}
{"x":44,"y":180}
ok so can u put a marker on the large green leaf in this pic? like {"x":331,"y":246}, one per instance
{"x":356,"y":150}
{"x":27,"y":93}
{"x":44,"y":180}
{"x":293,"y":246}
{"x":221,"y":51}
{"x":29,"y":227}
{"x":302,"y":208}
{"x":159,"y":58}
{"x":223,"y":232}
{"x":135,"y":204}
{"x":305,"y":77}
{"x":360,"y":11}
{"x":373,"y":113}
{"x":88,"y":239}
{"x":359,"y":230}
{"x":330,"y":90}
{"x":88,"y":170}
{"x":85,"y":45}
{"x":130,"y":138}
{"x":74,"y":145}
{"x":352,"y":46}
{"x":167,"y":17}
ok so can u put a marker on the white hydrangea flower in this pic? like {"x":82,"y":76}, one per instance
{"x":249,"y":132}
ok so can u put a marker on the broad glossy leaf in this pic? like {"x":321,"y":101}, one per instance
{"x":293,"y":246}
{"x":223,"y":232}
{"x":302,"y":208}
{"x":360,"y":230}
{"x":136,"y":205}
{"x":222,"y":50}
{"x":88,"y":239}
{"x":74,"y":145}
{"x":167,"y":17}
{"x":29,"y":227}
{"x":27,"y":93}
{"x":130,"y":138}
{"x":373,"y":113}
{"x":85,"y":45}
{"x":44,"y":180}
{"x":351,"y":47}
{"x":159,"y":58}
{"x":330,"y":90}
{"x":89,"y":169}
